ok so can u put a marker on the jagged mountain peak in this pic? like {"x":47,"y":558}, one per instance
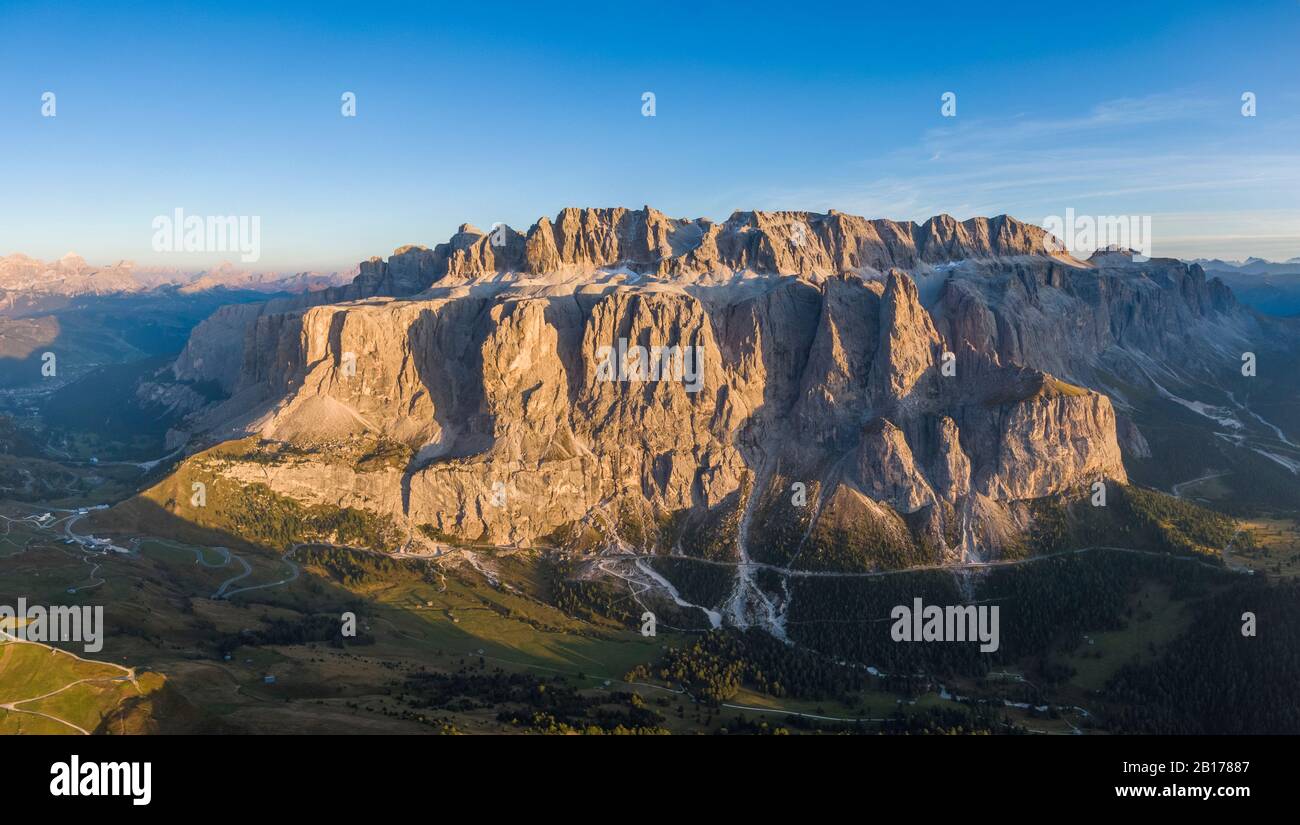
{"x":581,"y":241}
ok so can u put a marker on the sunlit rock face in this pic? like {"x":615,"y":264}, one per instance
{"x":614,"y":359}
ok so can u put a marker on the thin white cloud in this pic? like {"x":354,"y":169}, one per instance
{"x":1112,"y":115}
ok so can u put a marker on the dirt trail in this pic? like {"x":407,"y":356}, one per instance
{"x":8,"y":642}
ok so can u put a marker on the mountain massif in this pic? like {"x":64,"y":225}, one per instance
{"x":847,"y":394}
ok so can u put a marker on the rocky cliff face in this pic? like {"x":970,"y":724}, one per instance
{"x":580,"y":243}
{"x":527,"y":407}
{"x":648,"y":242}
{"x":1074,"y":321}
{"x":817,"y":392}
{"x":814,"y":392}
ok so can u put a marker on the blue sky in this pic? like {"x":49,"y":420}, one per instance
{"x":508,"y":112}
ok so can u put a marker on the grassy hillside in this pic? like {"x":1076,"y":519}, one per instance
{"x":1132,"y":517}
{"x":45,"y":690}
{"x":249,"y":513}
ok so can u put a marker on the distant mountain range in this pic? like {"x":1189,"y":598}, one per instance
{"x":93,"y":315}
{"x":72,"y":276}
{"x":1253,"y":266}
{"x":1269,"y":286}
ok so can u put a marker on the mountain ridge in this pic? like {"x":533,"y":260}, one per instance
{"x":648,"y":242}
{"x":922,"y":410}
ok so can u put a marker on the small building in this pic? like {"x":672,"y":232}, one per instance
{"x":268,"y":679}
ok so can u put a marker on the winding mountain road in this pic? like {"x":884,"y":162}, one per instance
{"x":984,"y":565}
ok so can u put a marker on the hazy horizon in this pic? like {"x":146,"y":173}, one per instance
{"x":176,"y":262}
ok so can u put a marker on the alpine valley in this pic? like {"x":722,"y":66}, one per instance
{"x":851,"y":415}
